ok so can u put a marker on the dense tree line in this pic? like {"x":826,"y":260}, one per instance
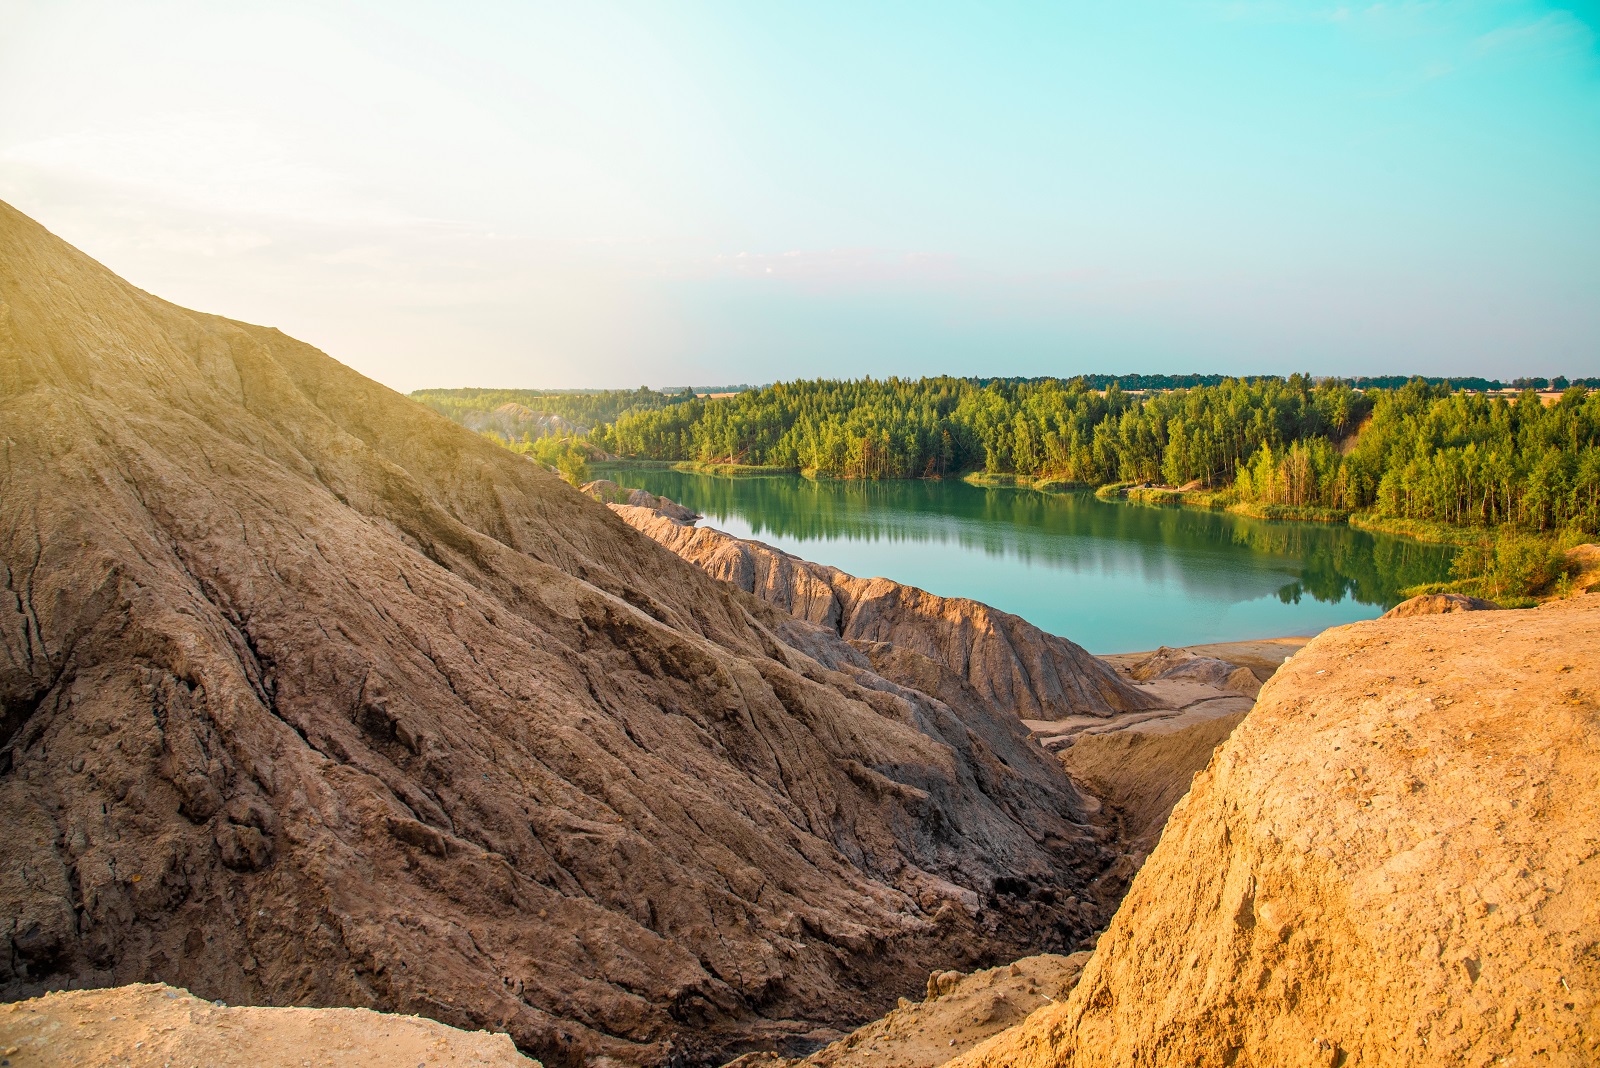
{"x":904,"y":428}
{"x":1421,"y":452}
{"x":1128,"y":382}
{"x":1560,"y":382}
{"x":1456,"y":458}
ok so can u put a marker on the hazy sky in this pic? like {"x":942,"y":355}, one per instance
{"x":590,"y":193}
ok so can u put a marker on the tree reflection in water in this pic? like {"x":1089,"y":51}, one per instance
{"x":1148,"y":559}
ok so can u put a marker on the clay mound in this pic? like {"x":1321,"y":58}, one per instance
{"x":1433,"y":604}
{"x":1242,"y":680}
{"x":1391,"y":862}
{"x":1180,"y":665}
{"x":1200,"y":669}
{"x":1008,"y":660}
{"x":311,"y":696}
{"x":958,"y":1012}
{"x":1212,"y":672}
{"x":1158,"y":663}
{"x":150,"y":1025}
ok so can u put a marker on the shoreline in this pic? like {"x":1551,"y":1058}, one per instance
{"x":616,"y":470}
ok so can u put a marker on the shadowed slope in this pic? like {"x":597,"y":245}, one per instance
{"x":312,"y":696}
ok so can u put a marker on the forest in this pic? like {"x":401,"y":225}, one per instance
{"x":1425,"y":451}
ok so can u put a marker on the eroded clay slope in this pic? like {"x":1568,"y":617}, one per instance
{"x":1004,"y":657}
{"x":1395,"y":860}
{"x":311,"y":696}
{"x":1141,"y":774}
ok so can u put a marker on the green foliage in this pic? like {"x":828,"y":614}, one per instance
{"x":1429,"y":456}
{"x":1302,"y":474}
{"x":1037,"y":429}
{"x":566,"y":455}
{"x":1511,"y":569}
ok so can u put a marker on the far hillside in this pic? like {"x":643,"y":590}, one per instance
{"x":515,"y":414}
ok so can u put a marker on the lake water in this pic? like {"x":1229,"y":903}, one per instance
{"x":1113,"y":577}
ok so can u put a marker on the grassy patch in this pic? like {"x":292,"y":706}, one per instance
{"x":1306,"y":513}
{"x":693,"y":467}
{"x":1420,"y":529}
{"x":1166,"y":495}
{"x":1046,"y":483}
{"x":984,"y":478}
{"x":699,"y":467}
{"x":731,"y":470}
{"x":1060,"y":485}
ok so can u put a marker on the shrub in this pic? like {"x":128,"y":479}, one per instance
{"x":1515,"y":567}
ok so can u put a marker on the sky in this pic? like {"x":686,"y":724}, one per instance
{"x":609,"y":194}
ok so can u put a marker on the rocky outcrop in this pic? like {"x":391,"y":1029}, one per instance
{"x":311,"y":696}
{"x":1433,"y":604}
{"x":1006,"y":659}
{"x":1182,"y":665}
{"x":150,"y":1025}
{"x":1392,"y":861}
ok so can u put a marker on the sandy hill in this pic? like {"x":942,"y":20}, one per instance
{"x":1394,"y":860}
{"x":311,"y":696}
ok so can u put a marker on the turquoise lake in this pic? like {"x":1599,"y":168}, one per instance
{"x":1113,"y":577}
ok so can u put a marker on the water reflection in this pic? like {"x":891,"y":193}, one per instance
{"x":1046,"y":553}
